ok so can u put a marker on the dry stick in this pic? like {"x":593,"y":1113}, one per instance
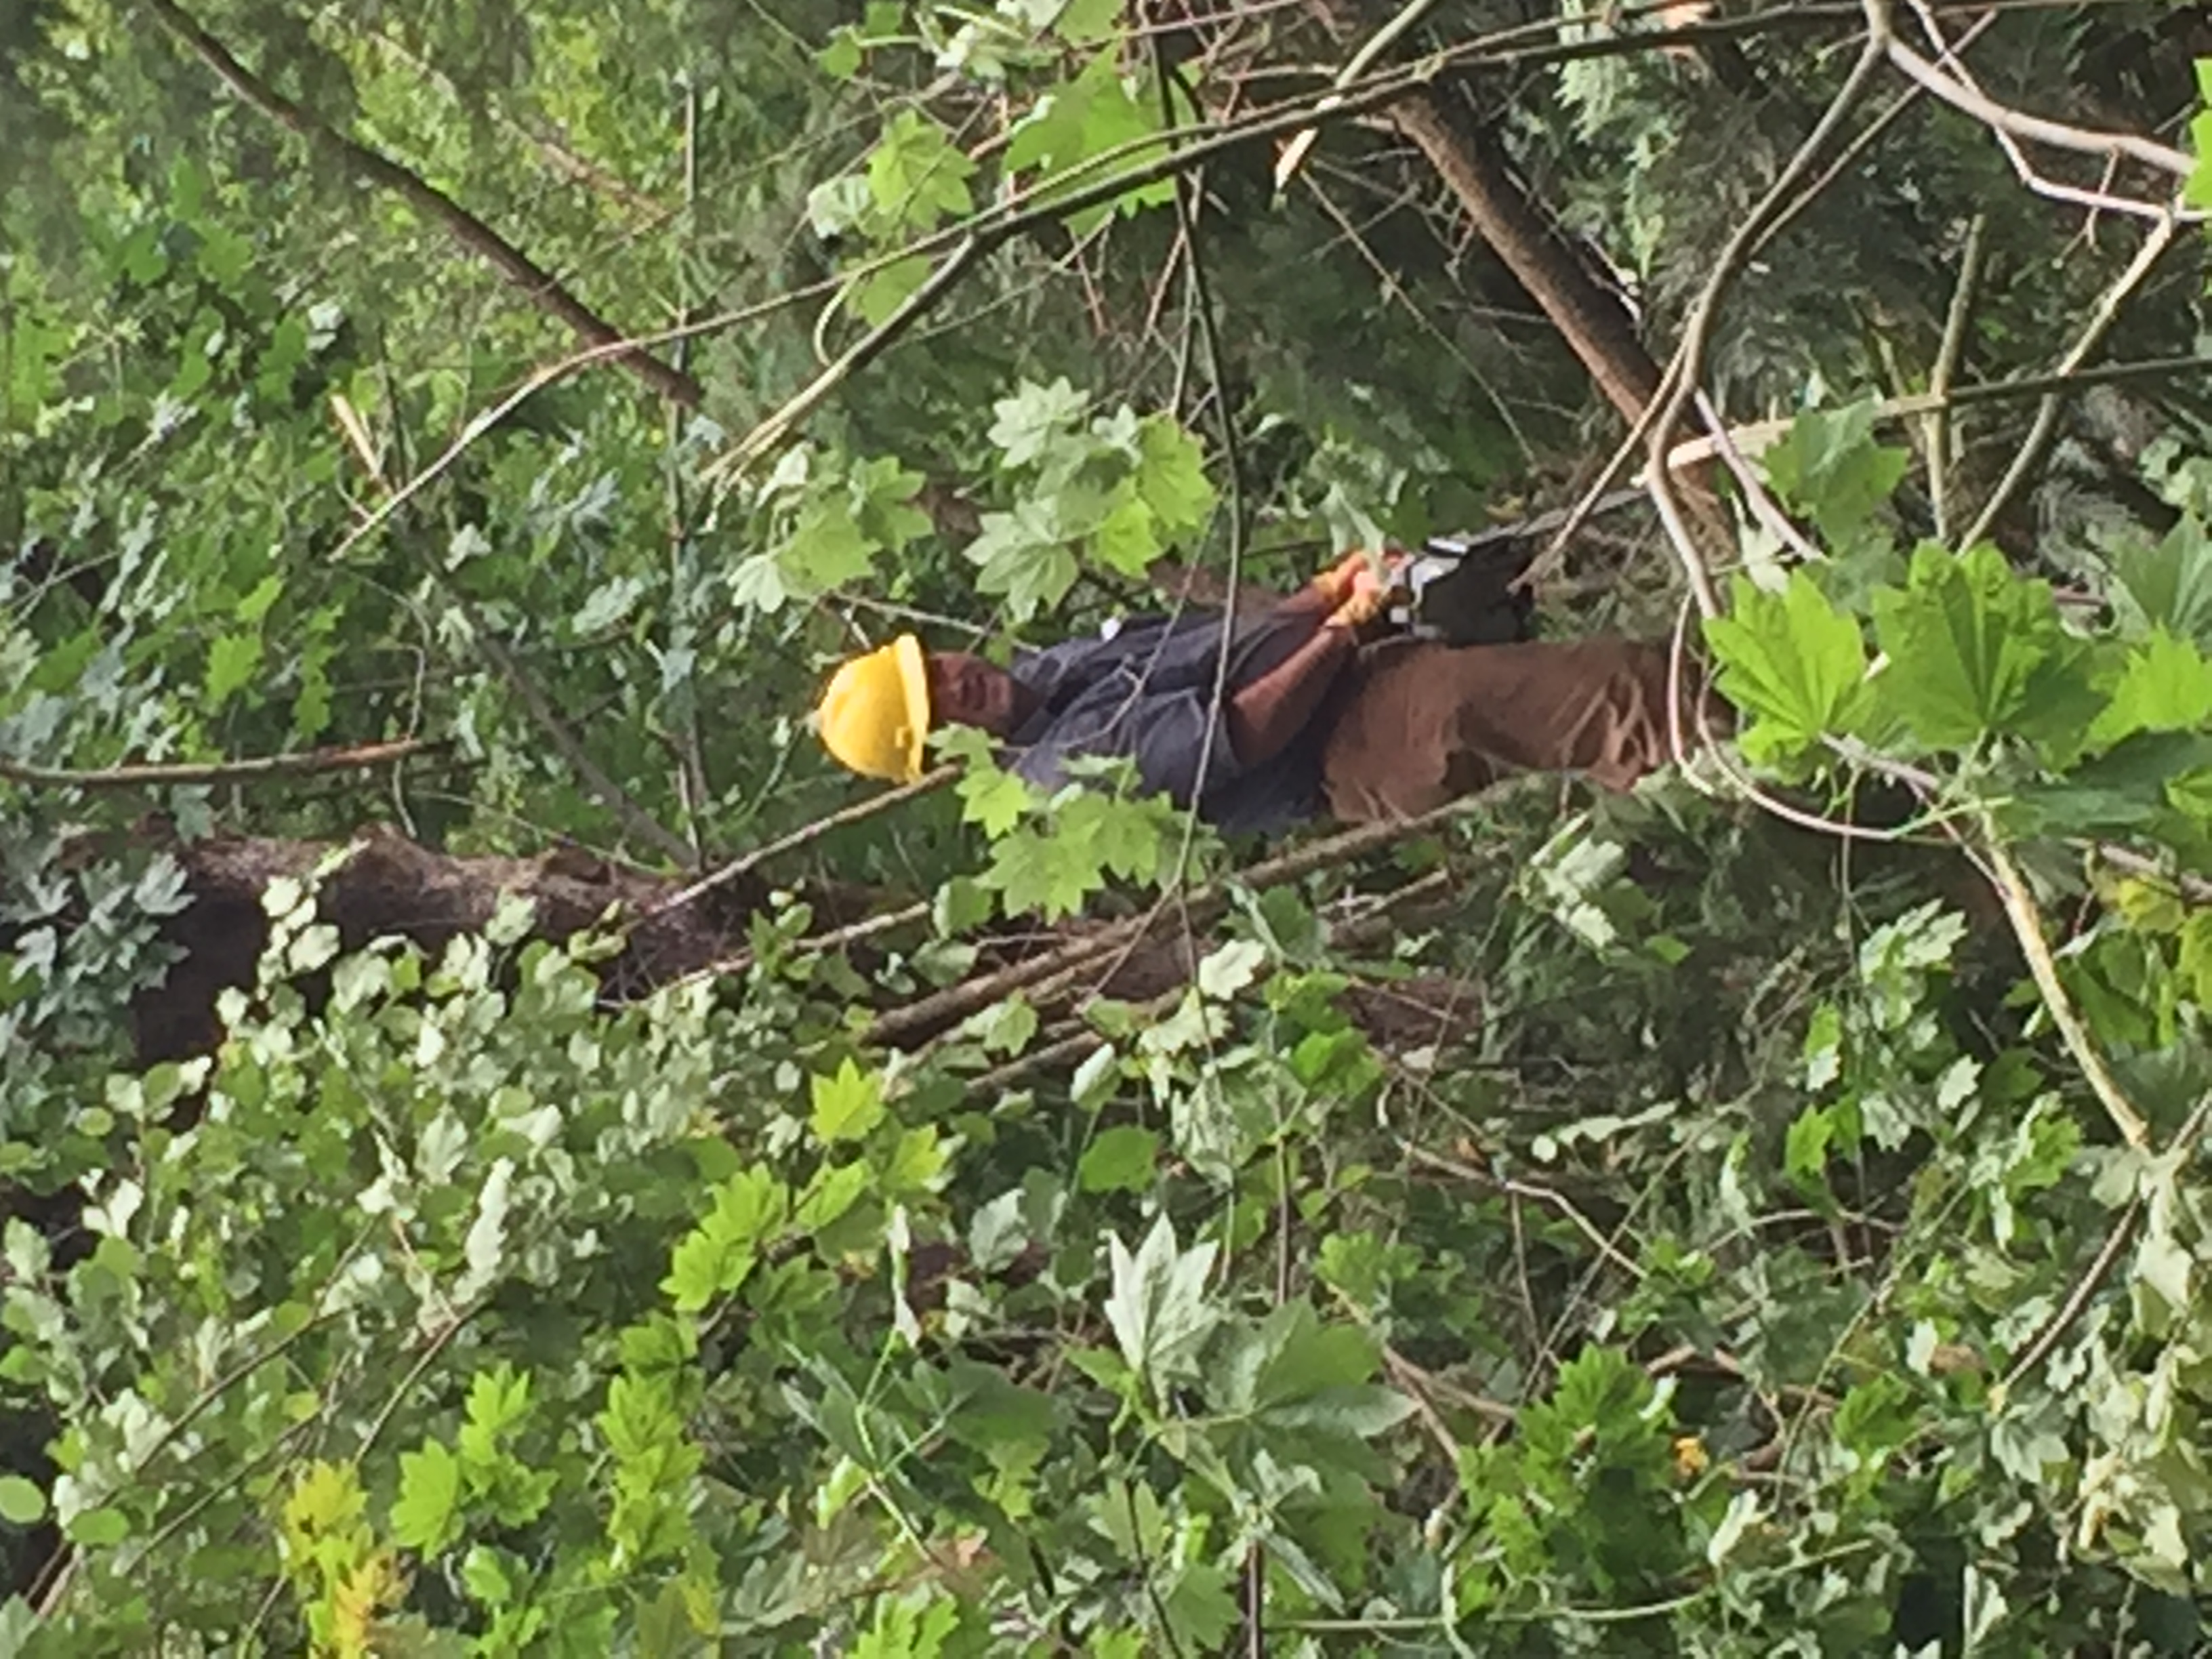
{"x":2027,"y":927}
{"x":1939,"y":382}
{"x":2095,"y":200}
{"x":801,"y":836}
{"x":2000,"y":117}
{"x":311,"y":764}
{"x":542,"y":289}
{"x":2101,"y":319}
{"x":1754,"y":436}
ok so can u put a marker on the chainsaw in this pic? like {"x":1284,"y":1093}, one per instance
{"x":1460,"y":589}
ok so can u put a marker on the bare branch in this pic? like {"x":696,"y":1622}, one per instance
{"x":358,"y":758}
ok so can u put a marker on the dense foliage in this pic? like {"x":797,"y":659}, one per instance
{"x":1762,"y":1214}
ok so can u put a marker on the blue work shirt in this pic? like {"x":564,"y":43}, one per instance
{"x":1145,"y":690}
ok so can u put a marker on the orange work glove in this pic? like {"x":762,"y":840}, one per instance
{"x":1335,"y":584}
{"x":1365,"y":600}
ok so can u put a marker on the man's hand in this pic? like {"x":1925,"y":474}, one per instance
{"x":1365,"y":592}
{"x":1339,"y":582}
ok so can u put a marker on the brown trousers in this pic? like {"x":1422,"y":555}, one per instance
{"x":1417,"y":724}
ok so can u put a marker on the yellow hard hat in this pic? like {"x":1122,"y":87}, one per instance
{"x":876,"y":712}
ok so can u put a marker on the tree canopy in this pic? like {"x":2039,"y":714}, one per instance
{"x":506,"y":1148}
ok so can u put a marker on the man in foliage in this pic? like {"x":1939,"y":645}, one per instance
{"x":1268,"y":721}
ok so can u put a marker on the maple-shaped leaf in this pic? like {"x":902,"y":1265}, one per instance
{"x":1023,"y":558}
{"x":1172,"y":475}
{"x":1095,"y":112}
{"x":992,"y":798}
{"x":2166,"y":687}
{"x":2168,"y":584}
{"x":1159,"y":1309}
{"x":1026,"y":424}
{"x":847,"y":1105}
{"x":1128,"y":538}
{"x":426,"y":1517}
{"x":1976,"y":648}
{"x":1830,"y":467}
{"x":826,"y":547}
{"x":916,"y":176}
{"x":1049,"y":875}
{"x":1122,"y":835}
{"x":1790,"y":660}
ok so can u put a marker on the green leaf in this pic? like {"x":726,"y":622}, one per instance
{"x":916,"y":176}
{"x":1052,"y":876}
{"x":1830,"y":467}
{"x":993,"y":799}
{"x":1027,"y":424}
{"x":826,"y":547}
{"x":879,"y":294}
{"x":232,"y":661}
{"x":2166,"y":687}
{"x":98,"y":1529}
{"x":1170,"y":475}
{"x":1159,"y":1309}
{"x":22,"y":1503}
{"x":1025,"y":557}
{"x":1975,"y":649}
{"x":2168,"y":584}
{"x":426,"y":1517}
{"x":1086,"y":117}
{"x":834,"y":1190}
{"x":1123,"y":1159}
{"x":1791,"y":661}
{"x":846,"y":1106}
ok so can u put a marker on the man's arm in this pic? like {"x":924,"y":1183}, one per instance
{"x":1265,"y":716}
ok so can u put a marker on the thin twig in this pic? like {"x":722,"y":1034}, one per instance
{"x":2027,"y":927}
{"x":740,"y":867}
{"x":2101,"y":318}
{"x":315,"y":762}
{"x":2000,"y":117}
{"x":1939,"y":381}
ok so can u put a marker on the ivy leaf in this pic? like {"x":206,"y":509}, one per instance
{"x":426,"y":1517}
{"x":1122,"y":1159}
{"x":1792,"y":661}
{"x":1023,"y":558}
{"x":1027,"y":424}
{"x":1159,"y":1309}
{"x":916,"y":176}
{"x":846,"y":1106}
{"x":880,"y":293}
